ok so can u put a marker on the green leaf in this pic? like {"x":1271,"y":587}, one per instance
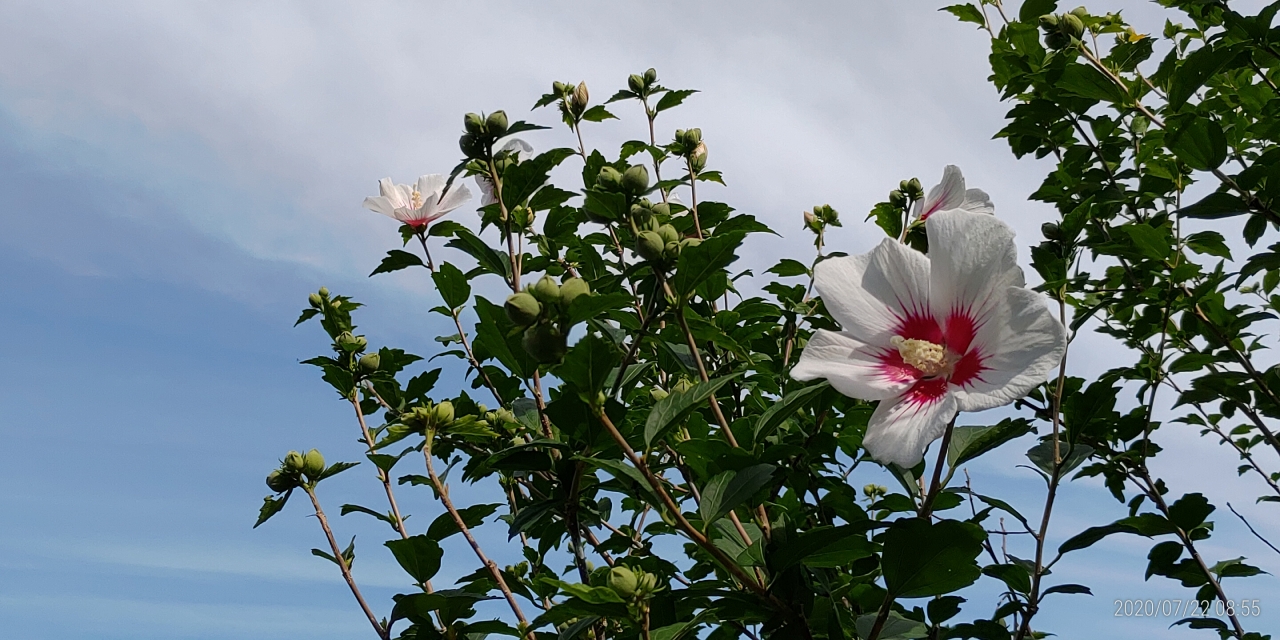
{"x":968,"y":443}
{"x":1200,"y":143}
{"x":626,"y":473}
{"x":1198,"y":67}
{"x":1152,"y":242}
{"x":419,"y":556}
{"x":444,"y":525}
{"x":697,"y":263}
{"x":1209,"y":243}
{"x":336,"y":468}
{"x":778,"y":412}
{"x":490,"y":260}
{"x":789,"y":268}
{"x":598,"y":114}
{"x":888,"y":218}
{"x":1089,"y":536}
{"x":732,"y":488}
{"x":930,"y":559}
{"x":588,"y":363}
{"x":307,"y":314}
{"x":825,"y":547}
{"x":1190,"y":511}
{"x":1042,"y":456}
{"x":1014,"y":575}
{"x":1031,"y":10}
{"x":1214,"y":206}
{"x":895,"y":627}
{"x":672,"y":99}
{"x":1068,"y":588}
{"x":270,"y":507}
{"x":1087,"y":82}
{"x":966,"y":13}
{"x":669,"y":411}
{"x":397,"y":260}
{"x":944,"y":608}
{"x":452,"y":285}
{"x":585,"y":308}
{"x":607,"y":205}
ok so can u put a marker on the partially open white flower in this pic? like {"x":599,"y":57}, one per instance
{"x":418,"y":205}
{"x":929,"y":336}
{"x":515,"y":147}
{"x":951,"y":194}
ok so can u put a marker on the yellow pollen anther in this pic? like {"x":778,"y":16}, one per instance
{"x":929,"y":358}
{"x":416,"y":199}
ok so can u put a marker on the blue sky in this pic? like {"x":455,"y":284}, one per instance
{"x":175,"y":178}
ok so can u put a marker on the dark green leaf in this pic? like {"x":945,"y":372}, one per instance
{"x":669,"y":411}
{"x":697,"y":263}
{"x":929,"y":559}
{"x":598,"y":114}
{"x":1198,"y":67}
{"x":966,"y":13}
{"x":672,"y":99}
{"x":1087,"y":82}
{"x":444,"y":525}
{"x":397,"y":260}
{"x":968,"y":443}
{"x":778,"y":412}
{"x":1031,"y":10}
{"x":419,"y":556}
{"x":1200,"y":143}
{"x":727,"y":491}
{"x":1214,"y":206}
{"x":270,"y":507}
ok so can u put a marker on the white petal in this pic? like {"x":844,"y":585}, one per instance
{"x":431,"y":185}
{"x":902,"y":427}
{"x":396,"y":194}
{"x":973,"y":261}
{"x":486,"y":191}
{"x":1022,"y":346}
{"x":977,"y":201}
{"x":870,"y":294}
{"x":948,"y":194}
{"x":457,"y":196}
{"x":852,"y":367}
{"x":521,"y":149}
{"x":381,"y":204}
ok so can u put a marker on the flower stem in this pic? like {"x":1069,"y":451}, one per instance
{"x":342,"y":564}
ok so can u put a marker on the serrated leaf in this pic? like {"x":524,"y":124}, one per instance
{"x":444,"y":525}
{"x":929,"y":559}
{"x":397,"y":260}
{"x":699,"y":262}
{"x":1200,"y":143}
{"x":419,"y":556}
{"x":968,"y":443}
{"x":270,"y":507}
{"x":966,"y":13}
{"x":778,"y":412}
{"x":598,"y":114}
{"x":452,"y":285}
{"x":672,"y":99}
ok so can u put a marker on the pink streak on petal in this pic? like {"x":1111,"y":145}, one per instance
{"x":968,"y":368}
{"x":919,"y":326}
{"x":893,"y":369}
{"x":926,"y":391}
{"x":960,"y":329}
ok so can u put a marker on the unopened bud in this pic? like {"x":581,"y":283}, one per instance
{"x":1051,"y":231}
{"x":623,"y":581}
{"x":692,"y":137}
{"x":523,"y":309}
{"x":636,"y":179}
{"x":324,"y":292}
{"x":914,"y":189}
{"x":682,"y":385}
{"x":1080,"y":12}
{"x":315,"y":300}
{"x":811,"y":222}
{"x":544,"y":343}
{"x":698,"y":159}
{"x":496,"y":123}
{"x":581,"y":96}
{"x":1049,"y":21}
{"x":313,"y":464}
{"x":649,"y":245}
{"x":661,"y":209}
{"x":443,"y":413}
{"x":658,"y":393}
{"x":473,"y":123}
{"x":690,"y":242}
{"x":546,"y":290}
{"x":610,"y":179}
{"x":635,"y":83}
{"x":294,"y":462}
{"x":558,"y":88}
{"x":668,"y":233}
{"x":573,"y":288}
{"x":279,"y":482}
{"x":897,"y":198}
{"x":650,"y":76}
{"x":370,"y":362}
{"x":648,"y":583}
{"x":1071,"y":25}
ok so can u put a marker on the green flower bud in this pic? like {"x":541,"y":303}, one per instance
{"x":370,"y":362}
{"x":650,"y":76}
{"x":496,"y":123}
{"x":683,"y":385}
{"x":691,"y":139}
{"x":313,"y":464}
{"x":649,"y":245}
{"x":812,"y":222}
{"x":623,"y":581}
{"x":648,"y":583}
{"x":1051,"y":231}
{"x":1080,"y":12}
{"x":571,"y":289}
{"x":635,"y":83}
{"x":1049,"y":21}
{"x":1071,"y":25}
{"x":442,"y":413}
{"x":671,"y":250}
{"x":690,"y":242}
{"x":1057,"y":40}
{"x":558,"y":88}
{"x":897,"y":198}
{"x":279,"y":482}
{"x":661,"y":209}
{"x":361,"y":343}
{"x":546,"y":290}
{"x":914,"y":189}
{"x":315,"y":300}
{"x":324,"y":292}
{"x":610,"y":179}
{"x":636,"y":179}
{"x":668,"y":233}
{"x":523,"y":309}
{"x":336,"y":305}
{"x":658,"y":393}
{"x":544,"y":343}
{"x":472,"y":145}
{"x":473,"y":123}
{"x":698,"y":157}
{"x":294,"y":462}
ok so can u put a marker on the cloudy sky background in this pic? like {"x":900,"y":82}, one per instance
{"x":176,"y":177}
